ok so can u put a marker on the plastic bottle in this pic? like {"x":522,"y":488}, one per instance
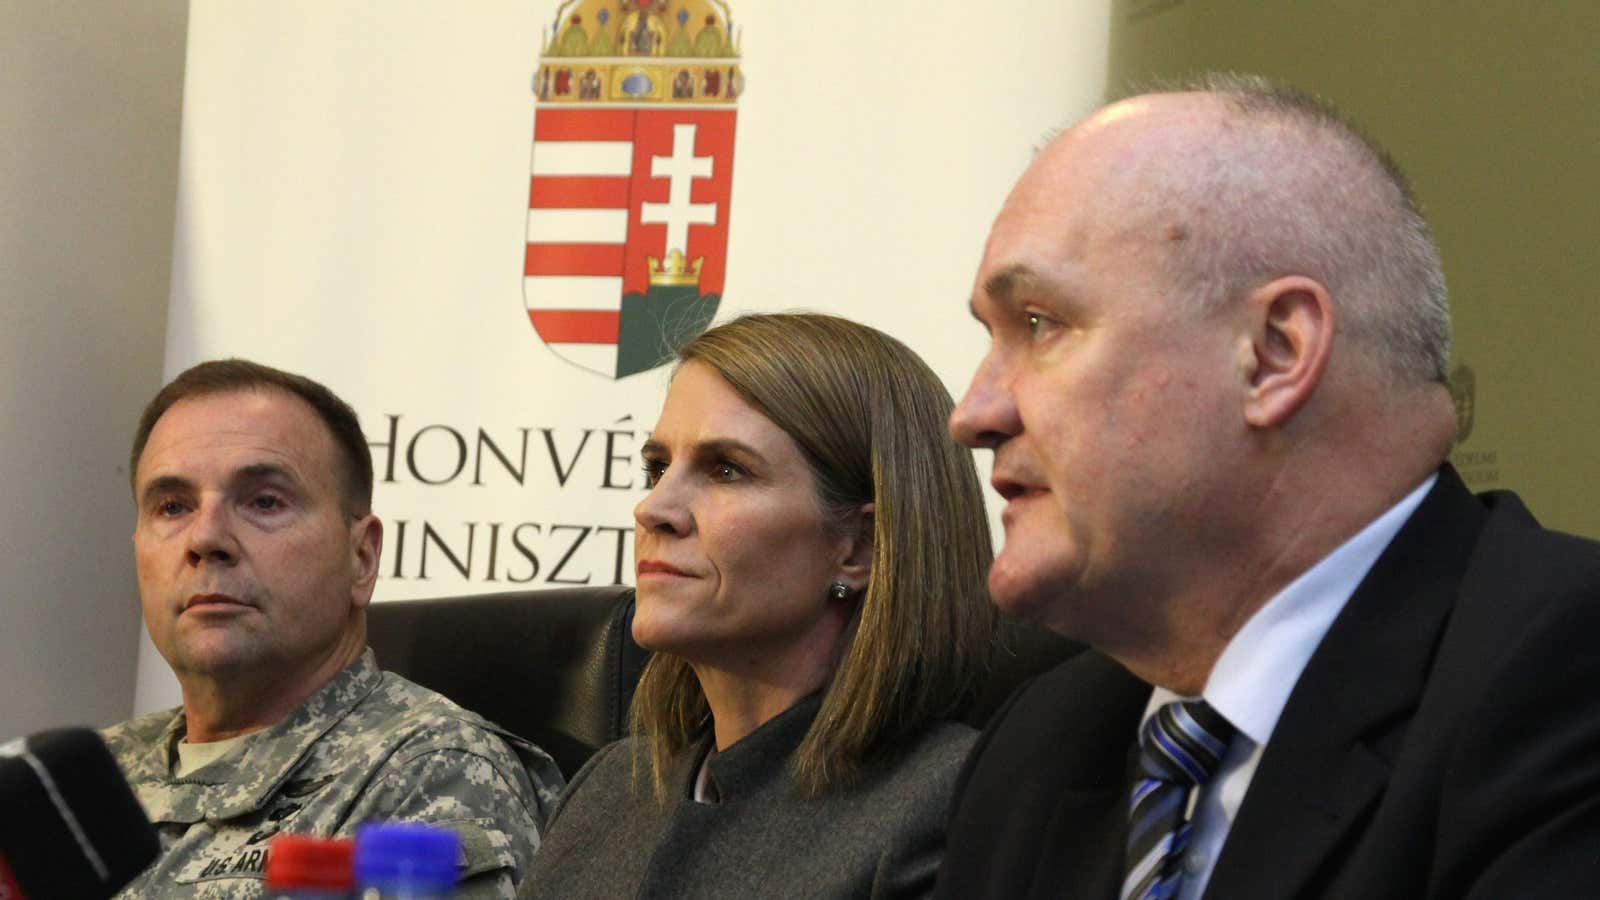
{"x":406,"y":861}
{"x":301,"y":867}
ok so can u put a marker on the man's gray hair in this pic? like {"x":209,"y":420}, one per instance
{"x":1294,"y":187}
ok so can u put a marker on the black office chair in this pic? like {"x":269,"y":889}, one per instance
{"x":559,"y":666}
{"x":555,"y":666}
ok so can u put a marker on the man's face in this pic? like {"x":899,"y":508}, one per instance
{"x":1103,"y":395}
{"x":247,"y":560}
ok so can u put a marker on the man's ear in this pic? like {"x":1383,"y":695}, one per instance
{"x":1291,"y":327}
{"x":366,"y":545}
{"x":855,"y":567}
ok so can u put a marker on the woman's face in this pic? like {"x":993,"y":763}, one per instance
{"x":734,"y":555}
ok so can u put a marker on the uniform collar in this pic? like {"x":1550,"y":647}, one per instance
{"x":243,"y":781}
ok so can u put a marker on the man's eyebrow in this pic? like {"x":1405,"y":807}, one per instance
{"x":266,"y":471}
{"x":1008,"y":281}
{"x":165,"y":484}
{"x":261,"y":471}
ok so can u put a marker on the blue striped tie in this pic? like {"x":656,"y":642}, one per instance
{"x":1179,"y":749}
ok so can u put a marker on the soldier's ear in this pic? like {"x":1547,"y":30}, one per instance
{"x":366,"y":548}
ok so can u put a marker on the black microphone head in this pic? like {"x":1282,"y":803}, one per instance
{"x":69,"y":825}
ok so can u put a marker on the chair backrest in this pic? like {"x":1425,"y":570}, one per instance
{"x":556,"y":666}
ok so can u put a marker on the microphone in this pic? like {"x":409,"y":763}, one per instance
{"x":70,"y":826}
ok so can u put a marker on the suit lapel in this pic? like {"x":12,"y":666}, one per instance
{"x":1083,"y":837}
{"x":1328,"y":760}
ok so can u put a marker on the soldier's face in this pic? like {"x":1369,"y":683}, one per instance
{"x":247,"y":560}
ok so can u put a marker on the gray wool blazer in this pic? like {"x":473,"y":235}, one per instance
{"x":881,"y":837}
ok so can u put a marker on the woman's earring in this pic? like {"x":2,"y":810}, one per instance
{"x":839,"y":591}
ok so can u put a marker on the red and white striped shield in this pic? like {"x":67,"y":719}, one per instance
{"x":627,"y":230}
{"x":632,"y":170}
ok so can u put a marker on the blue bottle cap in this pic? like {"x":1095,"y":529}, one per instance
{"x":421,"y":856}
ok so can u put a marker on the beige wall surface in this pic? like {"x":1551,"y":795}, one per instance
{"x":1490,"y":107}
{"x":89,"y":110}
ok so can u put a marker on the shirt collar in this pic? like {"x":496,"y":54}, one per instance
{"x":1251,"y":681}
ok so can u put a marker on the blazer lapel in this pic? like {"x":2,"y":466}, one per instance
{"x":1328,"y":761}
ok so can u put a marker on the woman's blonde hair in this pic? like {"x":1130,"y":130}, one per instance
{"x":869,"y":416}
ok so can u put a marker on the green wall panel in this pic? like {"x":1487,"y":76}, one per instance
{"x":1493,"y":109}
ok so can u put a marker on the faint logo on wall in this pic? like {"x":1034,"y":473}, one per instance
{"x":1479,"y":467}
{"x":1464,"y":391}
{"x":632,"y":170}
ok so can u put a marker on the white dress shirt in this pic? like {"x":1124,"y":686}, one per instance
{"x":1252,"y":679}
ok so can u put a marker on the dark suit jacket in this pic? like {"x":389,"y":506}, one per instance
{"x":1443,"y":741}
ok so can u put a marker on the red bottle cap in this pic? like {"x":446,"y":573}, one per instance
{"x":301,"y":861}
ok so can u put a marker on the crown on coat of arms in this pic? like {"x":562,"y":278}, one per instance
{"x":675,"y":270}
{"x":640,"y":51}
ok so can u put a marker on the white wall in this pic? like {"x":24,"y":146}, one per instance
{"x":353,"y":205}
{"x":89,"y":114}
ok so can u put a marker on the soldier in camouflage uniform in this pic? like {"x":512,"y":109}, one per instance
{"x":257,"y":552}
{"x":368,"y":746}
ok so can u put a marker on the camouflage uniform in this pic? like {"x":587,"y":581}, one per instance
{"x":367,"y":746}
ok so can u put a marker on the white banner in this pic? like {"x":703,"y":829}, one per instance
{"x":362,"y":200}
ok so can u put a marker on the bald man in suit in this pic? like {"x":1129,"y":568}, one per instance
{"x":1216,"y":396}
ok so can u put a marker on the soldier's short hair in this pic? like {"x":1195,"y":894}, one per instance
{"x":223,"y":376}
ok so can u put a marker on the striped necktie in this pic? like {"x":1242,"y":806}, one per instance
{"x":1179,"y":749}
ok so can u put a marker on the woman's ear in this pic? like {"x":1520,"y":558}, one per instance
{"x":855,"y":563}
